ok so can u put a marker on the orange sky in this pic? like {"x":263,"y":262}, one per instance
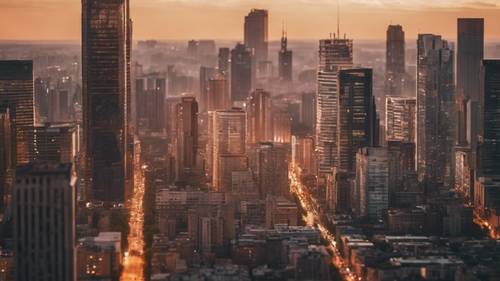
{"x":223,"y":19}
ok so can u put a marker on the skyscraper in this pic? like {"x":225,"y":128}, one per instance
{"x":308,"y":111}
{"x":242,"y":70}
{"x":372,"y":182}
{"x":206,"y":73}
{"x":256,"y":33}
{"x":218,"y":97}
{"x":224,"y":59}
{"x":259,"y":118}
{"x":489,"y":119}
{"x":435,"y":103}
{"x":7,"y":155}
{"x":395,"y":60}
{"x":187,"y":136}
{"x":334,"y":54}
{"x":356,"y":116}
{"x":272,"y":169}
{"x":400,"y":114}
{"x":151,"y":92}
{"x":44,"y":225}
{"x":470,"y":52}
{"x":105,"y":68}
{"x":16,"y":92}
{"x":227,"y":136}
{"x":285,"y":60}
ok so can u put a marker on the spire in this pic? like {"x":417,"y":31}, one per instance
{"x":283,"y":36}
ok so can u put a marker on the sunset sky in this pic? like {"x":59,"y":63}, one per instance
{"x":223,"y":19}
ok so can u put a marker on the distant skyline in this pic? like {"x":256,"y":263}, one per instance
{"x":223,"y":19}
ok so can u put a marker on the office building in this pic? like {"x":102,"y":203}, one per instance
{"x":187,"y":136}
{"x":308,"y":111}
{"x":206,"y":73}
{"x":272,"y":169}
{"x":470,"y":53}
{"x":400,"y":114}
{"x":227,"y":136}
{"x":218,"y":97}
{"x":334,"y":54}
{"x":303,"y":153}
{"x":356,"y":116}
{"x":256,"y":33}
{"x":285,"y":60}
{"x":435,"y":104}
{"x":395,"y":61}
{"x":228,"y":165}
{"x":16,"y":91}
{"x":224,"y":62}
{"x":44,"y":225}
{"x":151,"y":92}
{"x":7,"y":156}
{"x":106,"y":31}
{"x":372,"y":182}
{"x":242,"y":70}
{"x":259,"y":117}
{"x":489,"y":119}
{"x":282,"y":126}
{"x":54,"y":142}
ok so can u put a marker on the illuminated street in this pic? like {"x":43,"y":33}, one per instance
{"x":313,"y":219}
{"x":133,"y":264}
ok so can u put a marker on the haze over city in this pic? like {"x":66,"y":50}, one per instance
{"x":223,"y":19}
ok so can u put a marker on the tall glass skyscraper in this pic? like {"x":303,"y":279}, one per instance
{"x":105,"y":70}
{"x":334,"y":54}
{"x":395,"y":60}
{"x":435,"y":103}
{"x":16,"y":93}
{"x":489,"y":119}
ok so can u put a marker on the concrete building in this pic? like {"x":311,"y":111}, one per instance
{"x":242,"y":72}
{"x":395,"y":67}
{"x":400,"y":119}
{"x":372,"y":182}
{"x":187,"y":136}
{"x":256,"y":29}
{"x":44,"y":200}
{"x":259,"y":117}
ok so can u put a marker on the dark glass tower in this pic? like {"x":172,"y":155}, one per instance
{"x":489,"y":119}
{"x":285,"y":60}
{"x":435,"y":104}
{"x":356,"y":116}
{"x":106,"y":42}
{"x":16,"y":92}
{"x":395,"y":60}
{"x":241,"y":72}
{"x":256,"y":33}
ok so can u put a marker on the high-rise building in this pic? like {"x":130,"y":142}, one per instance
{"x":356,"y":116}
{"x":303,"y":153}
{"x":334,"y":54}
{"x":272,"y":169}
{"x":395,"y":60}
{"x":282,"y":126}
{"x":435,"y":104}
{"x":259,"y":117}
{"x":227,"y":136}
{"x":401,"y":166}
{"x":44,"y":225}
{"x":400,"y":114}
{"x":489,"y":119}
{"x":106,"y":31}
{"x":53,"y":142}
{"x":7,"y":155}
{"x":16,"y":91}
{"x":308,"y":111}
{"x":470,"y":53}
{"x":256,"y":33}
{"x":206,"y":73}
{"x":218,"y":97}
{"x":285,"y":60}
{"x":224,"y":60}
{"x":187,"y":136}
{"x":372,"y":182}
{"x":228,"y":164}
{"x":151,"y":92}
{"x":242,"y":70}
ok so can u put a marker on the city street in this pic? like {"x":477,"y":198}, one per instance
{"x":133,"y":265}
{"x":313,"y":219}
